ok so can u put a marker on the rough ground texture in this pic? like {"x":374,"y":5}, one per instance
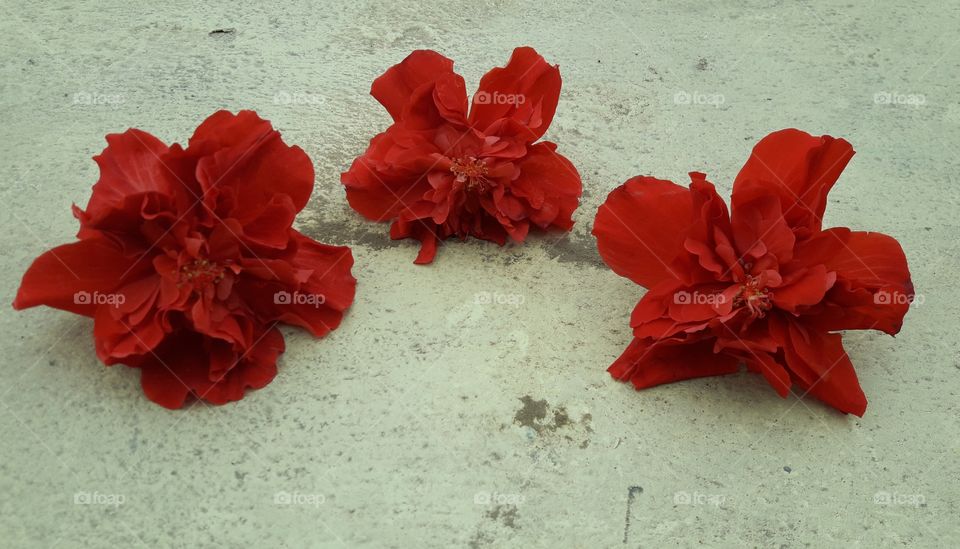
{"x":429,"y":419}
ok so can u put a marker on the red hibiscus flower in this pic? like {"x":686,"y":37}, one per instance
{"x":186,"y":259}
{"x":763,"y":285}
{"x":440,"y":171}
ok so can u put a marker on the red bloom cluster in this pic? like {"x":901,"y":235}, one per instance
{"x":187,"y":258}
{"x":763,"y":284}
{"x":439,"y":172}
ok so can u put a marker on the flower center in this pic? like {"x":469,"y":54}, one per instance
{"x":470,"y":171}
{"x":754,"y":297}
{"x":201,"y":273}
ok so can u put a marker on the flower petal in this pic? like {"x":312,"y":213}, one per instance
{"x":243,"y":159}
{"x":132,"y":165}
{"x":394,"y":88}
{"x":545,"y":169}
{"x":807,"y":288}
{"x":797,"y":167}
{"x":69,"y":277}
{"x":389,"y":176}
{"x":822,"y":353}
{"x":181,"y":366}
{"x":873,"y":288}
{"x":648,"y":364}
{"x":527,"y":90}
{"x":640,"y":228}
{"x":775,"y":374}
{"x":422,"y":230}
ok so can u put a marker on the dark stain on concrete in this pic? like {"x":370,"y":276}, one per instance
{"x":632,"y":493}
{"x":533,"y":412}
{"x":507,"y":514}
{"x":544,"y":419}
{"x":575,"y":250}
{"x":565,"y":248}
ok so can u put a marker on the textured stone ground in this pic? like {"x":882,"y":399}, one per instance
{"x":427,"y":419}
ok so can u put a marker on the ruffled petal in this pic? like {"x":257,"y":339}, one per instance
{"x":132,"y":327}
{"x":394,"y":88}
{"x":243,"y":164}
{"x":640,"y":229}
{"x":805,"y":289}
{"x":527,"y":90}
{"x":390,"y":175}
{"x":181,"y":367}
{"x":798,"y":168}
{"x":316,"y":299}
{"x":708,"y":240}
{"x":431,"y":106}
{"x":759,"y":229}
{"x":133,"y":165}
{"x":873,"y":288}
{"x":550,"y":185}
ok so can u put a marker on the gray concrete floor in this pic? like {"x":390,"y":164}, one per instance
{"x":428,"y":420}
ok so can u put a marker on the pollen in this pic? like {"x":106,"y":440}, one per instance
{"x":754,"y":297}
{"x":201,"y":273}
{"x":470,"y":171}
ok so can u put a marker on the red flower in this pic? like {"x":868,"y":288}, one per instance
{"x":439,"y":172}
{"x":186,"y":259}
{"x":765,"y":285}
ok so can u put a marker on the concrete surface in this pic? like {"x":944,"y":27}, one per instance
{"x":427,"y":419}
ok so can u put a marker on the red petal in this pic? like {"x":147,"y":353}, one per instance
{"x":527,"y":90}
{"x":822,"y":353}
{"x":806,"y":289}
{"x":873,"y":288}
{"x":318,"y":303}
{"x":377,"y":186}
{"x":640,"y":228}
{"x":394,"y":88}
{"x":271,"y":226}
{"x":131,"y":164}
{"x":68,"y":276}
{"x":182,"y":366}
{"x":775,"y":374}
{"x":544,"y":169}
{"x":424,"y":231}
{"x":431,"y":106}
{"x":797,"y":167}
{"x":647,"y":365}
{"x":709,"y":236}
{"x":759,"y":225}
{"x":243,"y":156}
